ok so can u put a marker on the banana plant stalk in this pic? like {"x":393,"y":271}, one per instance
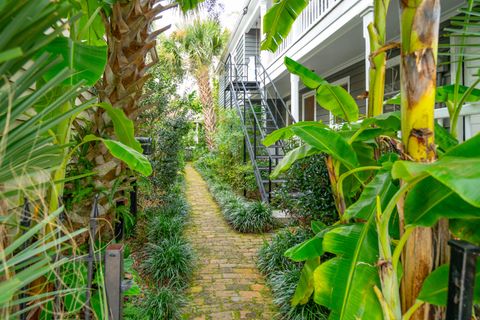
{"x":419,"y":45}
{"x":378,"y":59}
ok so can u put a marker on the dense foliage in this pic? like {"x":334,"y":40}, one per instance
{"x":306,"y":194}
{"x":163,"y":257}
{"x":283,"y":274}
{"x":242,"y":215}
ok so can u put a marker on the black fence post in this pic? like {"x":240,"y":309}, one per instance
{"x":461,"y":280}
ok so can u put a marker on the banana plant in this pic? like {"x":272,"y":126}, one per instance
{"x":371,"y":223}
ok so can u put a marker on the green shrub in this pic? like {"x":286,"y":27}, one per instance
{"x":306,"y":195}
{"x":271,"y":259}
{"x":164,"y":226}
{"x":242,"y":215}
{"x":164,"y":303}
{"x":252,"y":217}
{"x":169,"y":262}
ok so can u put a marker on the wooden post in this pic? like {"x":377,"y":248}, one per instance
{"x":113,"y":280}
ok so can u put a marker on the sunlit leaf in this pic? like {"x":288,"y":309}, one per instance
{"x":278,"y":22}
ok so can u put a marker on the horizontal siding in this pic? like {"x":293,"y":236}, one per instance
{"x":252,"y":43}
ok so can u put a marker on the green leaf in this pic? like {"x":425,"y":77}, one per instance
{"x":338,"y":101}
{"x":278,"y":22}
{"x":430,"y":200}
{"x":382,"y":186}
{"x":466,"y":229}
{"x":444,"y":140}
{"x":447,"y":93}
{"x":10,"y":54}
{"x":333,"y":98}
{"x":88,"y":62}
{"x":287,"y":132}
{"x":309,"y":78}
{"x":309,"y":249}
{"x":330,"y":142}
{"x":187,"y":5}
{"x":444,"y":94}
{"x":123,"y":127}
{"x":291,"y":157}
{"x":317,"y":226}
{"x":134,"y":159}
{"x":435,"y":287}
{"x":305,"y":286}
{"x":345,"y":283}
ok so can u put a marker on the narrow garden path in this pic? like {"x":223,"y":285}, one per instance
{"x":226,"y":284}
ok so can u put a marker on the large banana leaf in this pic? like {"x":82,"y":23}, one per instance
{"x":278,"y":21}
{"x":345,"y":283}
{"x":435,"y":287}
{"x":134,"y":159}
{"x":333,"y":98}
{"x":293,"y":156}
{"x":430,"y":200}
{"x":88,"y":62}
{"x":330,"y":142}
{"x":451,"y":190}
{"x":123,"y":127}
{"x":287,"y":132}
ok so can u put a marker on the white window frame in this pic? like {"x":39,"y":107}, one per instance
{"x":308,"y":95}
{"x":288,"y":111}
{"x":339,"y":82}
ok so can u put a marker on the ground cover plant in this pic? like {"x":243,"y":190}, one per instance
{"x":242,"y":215}
{"x":163,"y":258}
{"x":283,"y":274}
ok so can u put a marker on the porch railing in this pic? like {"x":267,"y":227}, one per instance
{"x":313,"y":13}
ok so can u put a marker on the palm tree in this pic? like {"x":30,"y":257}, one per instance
{"x":202,"y":42}
{"x":131,"y":43}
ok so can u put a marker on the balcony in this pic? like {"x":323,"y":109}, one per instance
{"x":315,"y":11}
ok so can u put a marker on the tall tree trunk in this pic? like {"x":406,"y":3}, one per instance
{"x":208,"y":107}
{"x":131,"y":52}
{"x":419,"y":33}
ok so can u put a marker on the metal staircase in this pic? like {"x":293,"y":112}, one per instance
{"x":262,"y":110}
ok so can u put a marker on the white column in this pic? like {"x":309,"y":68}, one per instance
{"x":264,"y":55}
{"x":295,"y":105}
{"x":368,"y":18}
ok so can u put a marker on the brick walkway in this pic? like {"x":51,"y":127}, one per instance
{"x":226,"y":284}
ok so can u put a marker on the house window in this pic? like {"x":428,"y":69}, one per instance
{"x":345,"y":83}
{"x":308,"y":106}
{"x":392,"y":82}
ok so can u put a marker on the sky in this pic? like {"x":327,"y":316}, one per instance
{"x":232,"y":10}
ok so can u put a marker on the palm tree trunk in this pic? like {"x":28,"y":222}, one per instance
{"x":208,"y":108}
{"x":131,"y":52}
{"x":419,"y":34}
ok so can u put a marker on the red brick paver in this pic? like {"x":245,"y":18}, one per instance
{"x":226,"y":284}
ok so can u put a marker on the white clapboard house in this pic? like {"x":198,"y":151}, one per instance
{"x":330,"y":38}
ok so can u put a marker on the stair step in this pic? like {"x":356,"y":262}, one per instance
{"x":274,"y":181}
{"x":268,"y":157}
